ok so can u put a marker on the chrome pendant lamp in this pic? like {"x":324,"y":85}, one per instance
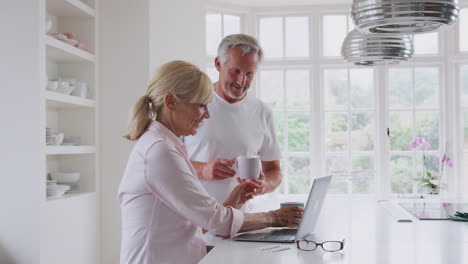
{"x":403,"y":16}
{"x":375,"y":49}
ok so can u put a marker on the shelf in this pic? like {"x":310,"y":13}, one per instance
{"x":62,"y":52}
{"x":59,"y":100}
{"x":81,"y":195}
{"x":70,"y":8}
{"x":65,"y":150}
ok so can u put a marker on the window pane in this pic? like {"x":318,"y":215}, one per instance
{"x":400,"y":130}
{"x":297,"y":89}
{"x":463,"y":29}
{"x":363,"y":174}
{"x":464,"y":84}
{"x":271,"y":37}
{"x":363,"y":163}
{"x":339,"y":167}
{"x":334,"y":30}
{"x":337,"y":164}
{"x":362,"y":88}
{"x":212,"y":73}
{"x":297,"y":37}
{"x":231,"y":25}
{"x":464,"y":182}
{"x":298,"y":132}
{"x":362,"y":133}
{"x":351,"y":25}
{"x":401,"y":168}
{"x":465,"y":130}
{"x":427,"y":126}
{"x":426,"y":81}
{"x":279,"y":125}
{"x":362,"y":182}
{"x":432,"y":164}
{"x":426,"y":44}
{"x":338,"y":185}
{"x":335,"y":88}
{"x":336,"y":132}
{"x":213,"y":33}
{"x":400,"y":87}
{"x":271,"y":88}
{"x":299,"y":175}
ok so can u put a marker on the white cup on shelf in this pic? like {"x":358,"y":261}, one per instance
{"x":65,"y":87}
{"x":52,"y":85}
{"x":81,"y":90}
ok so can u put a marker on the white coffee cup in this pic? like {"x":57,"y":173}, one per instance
{"x":81,"y":90}
{"x":248,"y":167}
{"x":52,"y":85}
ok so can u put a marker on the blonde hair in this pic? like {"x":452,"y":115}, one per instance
{"x":182,"y":79}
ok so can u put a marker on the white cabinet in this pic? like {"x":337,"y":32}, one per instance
{"x":69,"y":226}
{"x":71,"y":66}
{"x":34,"y":229}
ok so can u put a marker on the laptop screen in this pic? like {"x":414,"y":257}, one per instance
{"x":314,"y":205}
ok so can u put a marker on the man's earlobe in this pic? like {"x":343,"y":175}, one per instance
{"x":218,"y":64}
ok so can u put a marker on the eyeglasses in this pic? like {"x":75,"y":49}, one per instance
{"x":330,"y":246}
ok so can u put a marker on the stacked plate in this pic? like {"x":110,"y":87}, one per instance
{"x":55,"y":190}
{"x":74,"y":188}
{"x":69,"y":179}
{"x":50,"y":139}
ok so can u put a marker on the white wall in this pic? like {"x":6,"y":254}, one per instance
{"x":21,"y":140}
{"x":124,"y":71}
{"x":177,"y":32}
{"x":134,"y":38}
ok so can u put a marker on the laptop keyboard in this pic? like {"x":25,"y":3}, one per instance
{"x":280,"y":234}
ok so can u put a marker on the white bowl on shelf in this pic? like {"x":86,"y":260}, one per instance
{"x":65,"y":177}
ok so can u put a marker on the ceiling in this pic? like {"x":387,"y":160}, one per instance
{"x":258,"y":3}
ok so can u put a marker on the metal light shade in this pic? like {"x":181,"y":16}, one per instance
{"x":403,"y":16}
{"x":374,"y":49}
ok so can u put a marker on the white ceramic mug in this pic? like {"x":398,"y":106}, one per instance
{"x":81,"y":90}
{"x":248,"y":167}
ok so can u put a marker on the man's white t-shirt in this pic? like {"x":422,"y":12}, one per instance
{"x":242,"y":128}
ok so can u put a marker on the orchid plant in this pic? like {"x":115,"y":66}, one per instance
{"x":429,"y":179}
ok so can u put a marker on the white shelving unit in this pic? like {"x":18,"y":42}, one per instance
{"x":70,"y":223}
{"x":60,"y":51}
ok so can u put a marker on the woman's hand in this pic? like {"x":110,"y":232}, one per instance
{"x":288,"y":216}
{"x":260,"y":181}
{"x":243,"y":192}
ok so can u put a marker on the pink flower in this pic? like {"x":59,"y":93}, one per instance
{"x":424,"y":146}
{"x":420,"y":143}
{"x":446,"y":160}
{"x":450,"y":163}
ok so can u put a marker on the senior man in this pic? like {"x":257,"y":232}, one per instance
{"x":240,"y":124}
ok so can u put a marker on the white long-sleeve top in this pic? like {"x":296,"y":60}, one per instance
{"x":164,"y":205}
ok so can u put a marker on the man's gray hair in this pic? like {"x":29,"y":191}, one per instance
{"x":246,"y":43}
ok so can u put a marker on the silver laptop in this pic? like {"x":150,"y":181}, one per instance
{"x":317,"y":194}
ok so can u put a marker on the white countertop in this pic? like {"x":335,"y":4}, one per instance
{"x":372,"y":236}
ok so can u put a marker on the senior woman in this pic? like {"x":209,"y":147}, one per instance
{"x":164,"y":206}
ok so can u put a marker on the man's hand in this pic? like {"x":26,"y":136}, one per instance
{"x":218,"y":169}
{"x":241,"y":194}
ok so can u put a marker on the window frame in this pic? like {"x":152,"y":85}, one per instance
{"x":448,"y":60}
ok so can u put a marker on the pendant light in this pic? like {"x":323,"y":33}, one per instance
{"x":374,"y":49}
{"x":403,"y":16}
